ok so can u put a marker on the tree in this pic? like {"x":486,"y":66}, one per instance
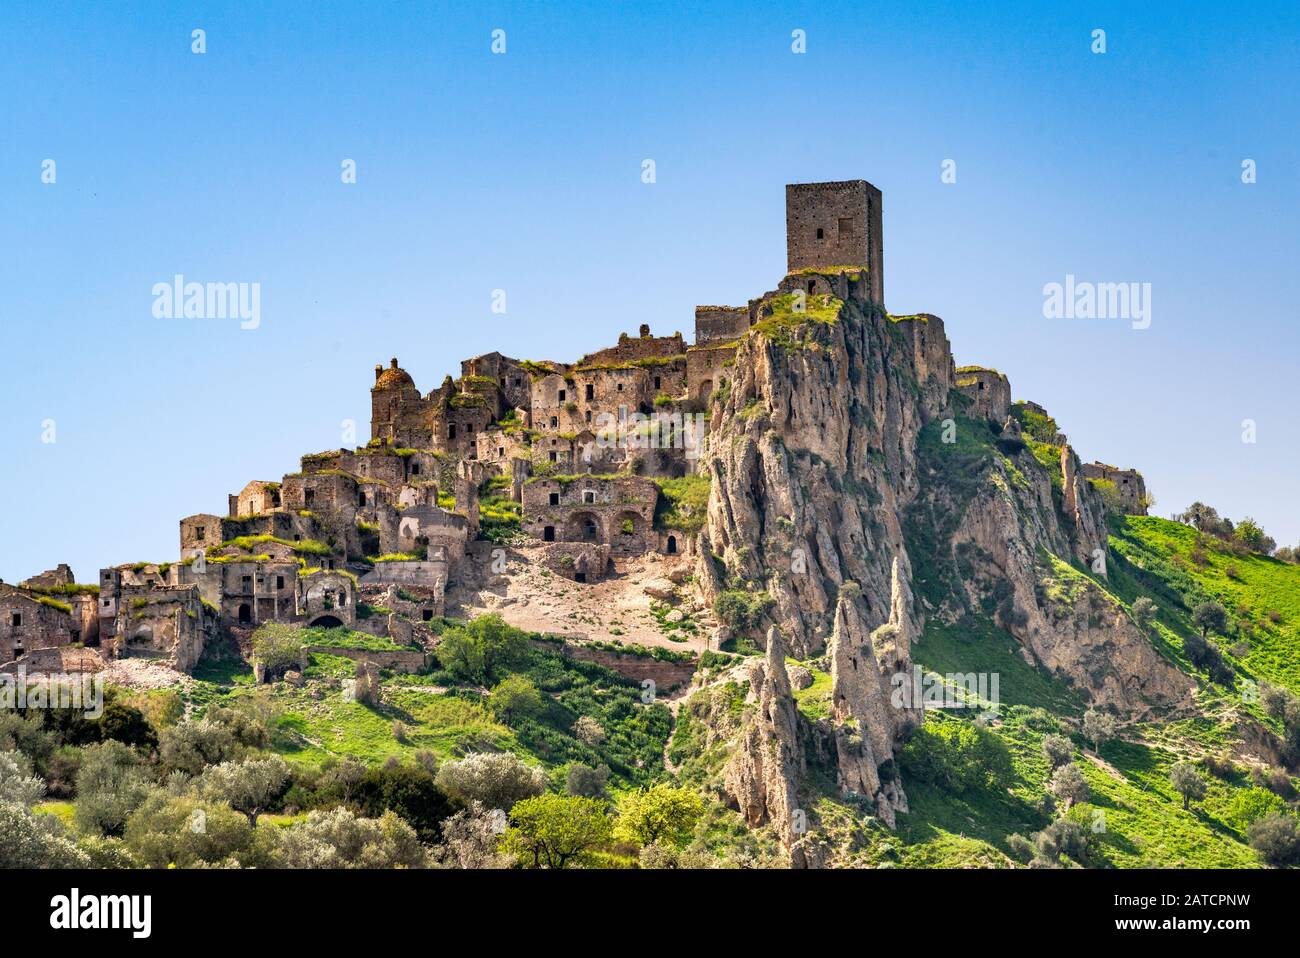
{"x":18,"y":785}
{"x":470,"y":839}
{"x":498,"y":780}
{"x":249,"y":787}
{"x":111,"y":784}
{"x":1058,"y":749}
{"x":339,"y":839}
{"x":278,"y":647}
{"x":588,"y":731}
{"x":1188,"y":782}
{"x":1251,"y":534}
{"x":1210,"y":617}
{"x":1068,"y":785}
{"x":553,"y":831}
{"x":1098,"y":727}
{"x":663,"y":813}
{"x":35,"y":841}
{"x":180,"y":831}
{"x":516,"y":697}
{"x":191,"y":746}
{"x":584,"y":780}
{"x":478,"y":651}
{"x":1276,"y":837}
{"x":409,"y":791}
{"x":1144,"y":612}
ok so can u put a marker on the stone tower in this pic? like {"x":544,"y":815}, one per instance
{"x":836,"y":224}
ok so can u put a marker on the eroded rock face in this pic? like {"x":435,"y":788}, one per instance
{"x":867,"y":720}
{"x":818,"y":479}
{"x":768,"y":762}
{"x":812,"y":455}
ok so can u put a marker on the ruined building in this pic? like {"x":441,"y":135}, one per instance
{"x":582,"y":452}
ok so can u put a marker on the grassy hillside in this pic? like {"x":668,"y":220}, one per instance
{"x":1134,"y":815}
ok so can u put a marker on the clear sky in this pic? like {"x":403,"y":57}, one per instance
{"x":522,"y":172}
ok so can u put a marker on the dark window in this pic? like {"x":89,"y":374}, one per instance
{"x":591,"y":391}
{"x":200,"y":532}
{"x":672,"y":544}
{"x":562,"y":394}
{"x":279,"y":582}
{"x":656,"y":382}
{"x":451,"y":430}
{"x":415,"y":468}
{"x":812,"y":284}
{"x":16,"y":619}
{"x":501,"y":450}
{"x":245,"y":613}
{"x":821,"y":233}
{"x":554,"y":422}
{"x":579,"y":577}
{"x":427,"y":615}
{"x":548,"y":534}
{"x":620,"y":387}
{"x":518,"y":381}
{"x":588,"y":415}
{"x":555,"y":498}
{"x":553,"y":457}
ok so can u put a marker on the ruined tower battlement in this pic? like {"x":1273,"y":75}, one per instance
{"x":836,"y":224}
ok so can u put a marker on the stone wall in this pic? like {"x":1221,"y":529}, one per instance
{"x":27,"y":624}
{"x":988,"y":389}
{"x":617,"y":512}
{"x":720,"y":323}
{"x":400,"y":660}
{"x":665,"y":675}
{"x":1129,"y":485}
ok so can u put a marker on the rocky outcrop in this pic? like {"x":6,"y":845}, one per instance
{"x":866,"y":720}
{"x":768,"y":762}
{"x":819,"y":478}
{"x":812,"y":454}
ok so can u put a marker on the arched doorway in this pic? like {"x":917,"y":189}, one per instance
{"x":326,"y":622}
{"x":245,"y":613}
{"x":672,"y":545}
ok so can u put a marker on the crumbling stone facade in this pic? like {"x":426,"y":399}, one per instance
{"x":1130,"y":487}
{"x":989,"y":391}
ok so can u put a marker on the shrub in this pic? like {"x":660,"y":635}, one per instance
{"x":741,"y":610}
{"x":554,"y":831}
{"x":498,"y":780}
{"x":278,"y":648}
{"x":1276,"y":837}
{"x":479,"y":650}
{"x":957,"y":756}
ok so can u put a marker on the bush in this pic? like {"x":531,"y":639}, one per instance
{"x":742,"y":611}
{"x":1251,"y":804}
{"x":1058,"y":749}
{"x":957,"y":756}
{"x":497,"y":780}
{"x":278,"y":648}
{"x":409,"y":791}
{"x":1276,"y":837}
{"x":111,"y":784}
{"x":516,"y":697}
{"x":479,"y":650}
{"x":554,"y":831}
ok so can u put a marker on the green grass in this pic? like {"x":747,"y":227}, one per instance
{"x":683,"y":504}
{"x":784,"y":323}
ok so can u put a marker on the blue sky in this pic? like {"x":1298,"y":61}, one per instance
{"x":522,"y":171}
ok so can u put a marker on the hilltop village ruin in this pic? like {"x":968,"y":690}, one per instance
{"x":580,"y":453}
